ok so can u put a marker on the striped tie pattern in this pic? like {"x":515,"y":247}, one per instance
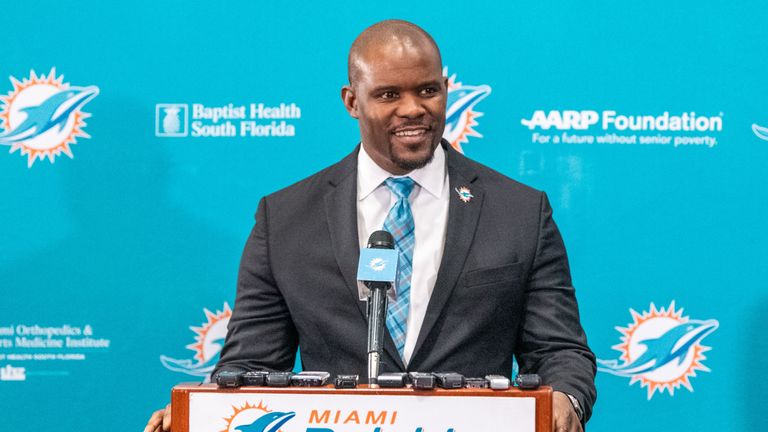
{"x":399,"y":223}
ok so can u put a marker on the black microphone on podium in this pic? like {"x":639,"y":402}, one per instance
{"x":377,"y":271}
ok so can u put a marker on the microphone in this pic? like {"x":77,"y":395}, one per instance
{"x":377,"y":270}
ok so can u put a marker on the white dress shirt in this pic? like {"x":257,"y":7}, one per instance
{"x":429,"y":205}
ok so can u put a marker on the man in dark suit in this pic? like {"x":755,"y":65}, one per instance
{"x":490,"y":276}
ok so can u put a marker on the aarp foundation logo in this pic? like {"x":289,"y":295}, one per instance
{"x":661,"y":349}
{"x":209,"y":339}
{"x":42,"y":116}
{"x":256,"y":418}
{"x":461,"y":117}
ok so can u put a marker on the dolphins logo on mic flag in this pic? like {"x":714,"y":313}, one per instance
{"x":378,"y":264}
{"x":661,"y":349}
{"x":42,"y":116}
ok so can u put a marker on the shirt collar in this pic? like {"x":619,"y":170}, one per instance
{"x":370,"y":176}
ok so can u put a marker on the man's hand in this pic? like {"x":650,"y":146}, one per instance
{"x":160,"y":420}
{"x":564,"y":415}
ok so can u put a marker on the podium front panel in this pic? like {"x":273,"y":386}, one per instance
{"x":205,"y":408}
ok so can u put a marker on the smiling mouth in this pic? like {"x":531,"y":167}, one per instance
{"x":411,"y":132}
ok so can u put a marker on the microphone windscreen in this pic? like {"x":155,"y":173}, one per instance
{"x":381,"y":240}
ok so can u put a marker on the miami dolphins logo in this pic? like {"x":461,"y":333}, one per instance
{"x":460,"y":117}
{"x":761,"y":132}
{"x":42,"y":116}
{"x":256,"y":418}
{"x":377,"y":264}
{"x":209,"y":339}
{"x":465,"y":195}
{"x":661,"y":349}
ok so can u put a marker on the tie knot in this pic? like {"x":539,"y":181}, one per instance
{"x":401,"y":186}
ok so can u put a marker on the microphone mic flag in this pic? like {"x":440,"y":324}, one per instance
{"x":378,"y":261}
{"x":377,"y":269}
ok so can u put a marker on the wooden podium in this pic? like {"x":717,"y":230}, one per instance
{"x":205,"y":407}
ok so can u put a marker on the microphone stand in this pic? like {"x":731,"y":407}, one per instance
{"x":377,"y":313}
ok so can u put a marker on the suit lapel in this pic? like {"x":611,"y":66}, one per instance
{"x":462,"y":221}
{"x":341,"y":209}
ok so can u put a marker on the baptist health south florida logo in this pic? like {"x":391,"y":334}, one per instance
{"x":171,"y":120}
{"x":226,"y":121}
{"x":255,"y":418}
{"x":661,"y":349}
{"x":460,"y":116}
{"x":209,"y":339}
{"x":42,"y":116}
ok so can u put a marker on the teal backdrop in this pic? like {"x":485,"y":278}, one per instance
{"x":118,"y":264}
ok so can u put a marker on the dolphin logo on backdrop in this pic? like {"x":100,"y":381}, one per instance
{"x":460,"y":116}
{"x":42,"y":116}
{"x":661,"y":349}
{"x":256,"y":418}
{"x":760,"y":131}
{"x":209,"y":339}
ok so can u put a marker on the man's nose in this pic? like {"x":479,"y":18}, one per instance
{"x":410,"y":106}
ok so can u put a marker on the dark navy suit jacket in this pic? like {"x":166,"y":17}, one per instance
{"x":503,"y":288}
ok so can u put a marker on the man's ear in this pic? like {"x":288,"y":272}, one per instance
{"x":350,"y":100}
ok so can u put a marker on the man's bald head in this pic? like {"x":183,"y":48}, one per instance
{"x":398,"y":94}
{"x":384,"y":33}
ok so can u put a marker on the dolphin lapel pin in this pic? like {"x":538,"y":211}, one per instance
{"x":464,"y":194}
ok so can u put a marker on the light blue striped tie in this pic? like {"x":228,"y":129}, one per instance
{"x":399,"y":222}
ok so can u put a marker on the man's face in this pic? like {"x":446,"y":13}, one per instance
{"x":399,"y":100}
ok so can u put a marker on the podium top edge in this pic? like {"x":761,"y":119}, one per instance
{"x":363,"y":390}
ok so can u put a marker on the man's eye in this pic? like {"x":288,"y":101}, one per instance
{"x":429,"y":91}
{"x":388,"y":95}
